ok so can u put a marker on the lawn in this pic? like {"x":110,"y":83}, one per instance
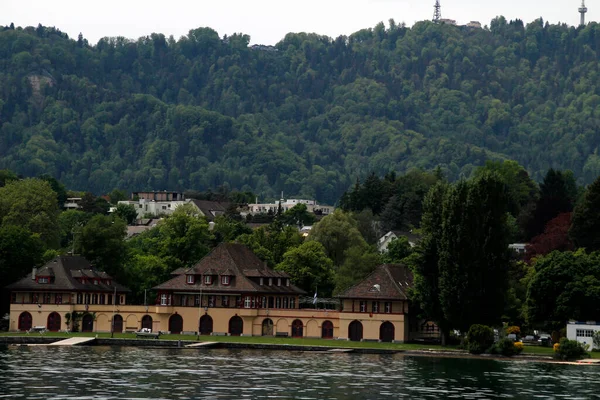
{"x":254,"y":340}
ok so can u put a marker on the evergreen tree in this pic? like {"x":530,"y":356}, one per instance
{"x":585,"y":225}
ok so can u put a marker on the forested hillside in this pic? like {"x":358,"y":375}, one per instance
{"x":308,"y":117}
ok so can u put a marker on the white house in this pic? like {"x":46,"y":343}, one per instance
{"x":145,"y":207}
{"x":583,"y":332}
{"x":519,"y":248}
{"x":311,"y":206}
{"x":385,"y":240}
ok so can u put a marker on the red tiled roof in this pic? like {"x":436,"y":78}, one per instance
{"x":393,"y":280}
{"x":237,"y":261}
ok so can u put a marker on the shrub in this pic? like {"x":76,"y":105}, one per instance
{"x":596,"y":340}
{"x":515,"y":330}
{"x":507,"y":347}
{"x":570,"y":350}
{"x":479,"y":338}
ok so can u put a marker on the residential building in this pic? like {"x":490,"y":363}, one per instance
{"x":145,"y":207}
{"x":210,"y":209}
{"x":72,"y":203}
{"x":158,"y":196}
{"x":272,"y":208}
{"x":63,"y":287}
{"x":385,"y":240}
{"x":583,"y":332}
{"x":474,"y":24}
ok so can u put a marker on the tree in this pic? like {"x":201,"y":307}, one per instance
{"x":297,"y":216}
{"x":31,"y":204}
{"x":309,"y":267}
{"x":337,"y":233}
{"x":94,"y":205}
{"x":102,"y":243}
{"x":59,"y":188}
{"x":566,"y":285}
{"x":397,"y":250}
{"x":71,"y":223}
{"x":7,"y":176}
{"x":20,"y":251}
{"x":117,"y":195}
{"x":585,"y":227}
{"x":227,"y":229}
{"x":126,"y":212}
{"x":554,"y":237}
{"x":556,"y":196}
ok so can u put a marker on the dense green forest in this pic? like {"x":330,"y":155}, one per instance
{"x":308,"y":116}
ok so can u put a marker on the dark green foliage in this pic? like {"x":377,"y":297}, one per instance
{"x":585,"y":224}
{"x":126,"y":212}
{"x":565,"y":286}
{"x":397,"y":250}
{"x":309,"y":268}
{"x":102,"y":243}
{"x":506,"y":347}
{"x":20,"y":250}
{"x":570,"y":350}
{"x":479,"y":338}
{"x":297,"y":216}
{"x":309,"y":118}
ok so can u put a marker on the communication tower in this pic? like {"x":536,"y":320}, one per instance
{"x":582,"y":11}
{"x":437,"y":12}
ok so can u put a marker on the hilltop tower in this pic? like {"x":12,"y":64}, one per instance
{"x":437,"y":12}
{"x":582,"y":11}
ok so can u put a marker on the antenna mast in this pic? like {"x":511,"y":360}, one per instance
{"x":437,"y":12}
{"x":582,"y":11}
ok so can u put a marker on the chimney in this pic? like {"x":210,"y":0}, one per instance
{"x":33,"y":273}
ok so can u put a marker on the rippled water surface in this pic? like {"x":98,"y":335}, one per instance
{"x":137,"y":373}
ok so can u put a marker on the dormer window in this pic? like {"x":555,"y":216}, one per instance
{"x":43,"y":279}
{"x":108,"y":282}
{"x":261,"y":281}
{"x":95,"y":281}
{"x":225,"y":280}
{"x":207,"y":279}
{"x":278,"y":281}
{"x":270,"y":281}
{"x":190,"y":279}
{"x":287,"y":282}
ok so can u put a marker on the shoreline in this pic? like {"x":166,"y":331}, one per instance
{"x":27,"y":341}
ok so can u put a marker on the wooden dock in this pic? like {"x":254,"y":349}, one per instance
{"x":73,"y":341}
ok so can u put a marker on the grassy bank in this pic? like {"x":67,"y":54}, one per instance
{"x":528,"y":350}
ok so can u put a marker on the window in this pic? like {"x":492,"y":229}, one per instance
{"x":108,"y":282}
{"x":212,"y":300}
{"x":164,"y":207}
{"x":207,"y":279}
{"x":58,"y":298}
{"x":190,"y":279}
{"x":375,"y":307}
{"x":47,"y":298}
{"x":197,"y":300}
{"x":253,"y":302}
{"x":163,"y":299}
{"x":278,"y":281}
{"x":363,"y":306}
{"x":261,"y":281}
{"x":94,"y":298}
{"x":35,"y":298}
{"x":121,"y":299}
{"x":287,"y":282}
{"x":263,"y":302}
{"x":86,"y":299}
{"x":285,"y":302}
{"x":292,"y":302}
{"x":110,"y":299}
{"x":270,"y":281}
{"x":13,"y":297}
{"x":225,"y":280}
{"x":95,"y":281}
{"x":43,"y":279}
{"x":388,"y":307}
{"x":247,"y":302}
{"x":584,"y":333}
{"x":225,"y":301}
{"x":102,"y":299}
{"x":271,"y":302}
{"x":278,"y":302}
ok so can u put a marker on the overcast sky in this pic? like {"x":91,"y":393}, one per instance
{"x":267,"y":21}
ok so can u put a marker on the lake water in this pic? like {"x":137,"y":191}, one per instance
{"x":138,"y":373}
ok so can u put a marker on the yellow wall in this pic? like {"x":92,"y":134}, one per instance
{"x":312,"y":319}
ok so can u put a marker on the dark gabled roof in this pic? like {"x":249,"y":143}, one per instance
{"x":66,"y":270}
{"x":235,"y":260}
{"x":211,"y":209}
{"x":393,"y":280}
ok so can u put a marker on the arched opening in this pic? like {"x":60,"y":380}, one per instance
{"x":53,"y":323}
{"x":236,"y":326}
{"x":117,"y":324}
{"x":147,"y":322}
{"x":355,"y":331}
{"x":267,"y":327}
{"x":387,"y":332}
{"x":87,"y":323}
{"x":25,"y":321}
{"x":206,"y":325}
{"x":327,"y":330}
{"x":175,"y":324}
{"x":297,"y":328}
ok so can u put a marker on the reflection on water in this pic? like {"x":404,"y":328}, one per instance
{"x":137,"y":373}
